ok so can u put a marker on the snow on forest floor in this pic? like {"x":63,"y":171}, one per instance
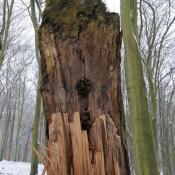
{"x":17,"y":168}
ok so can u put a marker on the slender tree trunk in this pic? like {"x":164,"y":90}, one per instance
{"x":80,"y":50}
{"x":143,"y":140}
{"x":5,"y":138}
{"x":20,"y":115}
{"x":5,"y":29}
{"x":35,"y":129}
{"x":25,"y":156}
{"x":8,"y":116}
{"x":12,"y":132}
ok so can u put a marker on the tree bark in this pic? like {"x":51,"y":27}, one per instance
{"x":142,"y":131}
{"x":5,"y":30}
{"x":80,"y":65}
{"x":35,"y":130}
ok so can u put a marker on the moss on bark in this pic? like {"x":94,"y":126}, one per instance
{"x":68,"y":15}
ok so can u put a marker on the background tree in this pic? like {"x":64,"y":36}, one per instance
{"x":155,"y":38}
{"x":4,"y":29}
{"x":17,"y":88}
{"x":35,"y":128}
{"x":143,"y":140}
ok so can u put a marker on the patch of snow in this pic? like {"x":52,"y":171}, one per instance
{"x":17,"y":168}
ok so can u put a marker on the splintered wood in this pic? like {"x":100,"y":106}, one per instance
{"x":72,"y":151}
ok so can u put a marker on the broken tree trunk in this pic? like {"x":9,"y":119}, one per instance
{"x":80,"y":52}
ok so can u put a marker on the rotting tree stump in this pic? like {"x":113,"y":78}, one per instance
{"x":80,"y":50}
{"x":68,"y":139}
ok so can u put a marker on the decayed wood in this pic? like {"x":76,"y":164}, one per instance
{"x":80,"y":51}
{"x":57,"y":146}
{"x":86,"y":158}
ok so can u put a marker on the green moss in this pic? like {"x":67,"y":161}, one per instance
{"x":64,"y":14}
{"x":67,"y":9}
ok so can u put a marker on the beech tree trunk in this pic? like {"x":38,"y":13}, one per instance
{"x":80,"y":65}
{"x":145,"y":158}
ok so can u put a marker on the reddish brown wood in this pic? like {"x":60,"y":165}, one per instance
{"x":85,"y":158}
{"x":80,"y":50}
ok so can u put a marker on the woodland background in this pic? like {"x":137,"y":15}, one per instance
{"x":19,"y":65}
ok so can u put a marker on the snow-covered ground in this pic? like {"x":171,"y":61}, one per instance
{"x":17,"y":168}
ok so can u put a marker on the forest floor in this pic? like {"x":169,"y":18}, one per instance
{"x":17,"y":168}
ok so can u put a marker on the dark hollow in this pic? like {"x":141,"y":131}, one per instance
{"x":85,"y":120}
{"x":84,"y":86}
